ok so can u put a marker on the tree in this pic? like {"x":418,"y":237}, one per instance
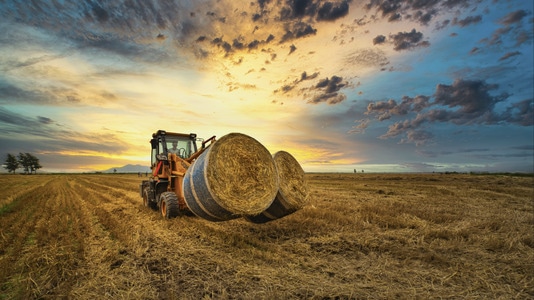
{"x":29,"y":163}
{"x":35,"y":165}
{"x":11,"y":163}
{"x":24,"y":162}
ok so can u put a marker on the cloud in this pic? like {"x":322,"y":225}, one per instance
{"x":422,"y":11}
{"x":324,"y":90}
{"x":408,"y":40}
{"x":417,"y":137}
{"x":509,"y":54}
{"x":318,"y":10}
{"x":46,"y":135}
{"x":360,"y":128}
{"x":470,"y":20}
{"x":512,"y":28}
{"x":464,"y":102}
{"x":368,"y":57}
{"x":305,"y":76}
{"x":474,"y":50}
{"x":513,"y":17}
{"x":521,"y":113}
{"x":328,"y":90}
{"x":330,"y":98}
{"x":45,"y":120}
{"x":297,"y":30}
{"x":332,"y":11}
{"x":385,"y":109}
{"x":379,"y":39}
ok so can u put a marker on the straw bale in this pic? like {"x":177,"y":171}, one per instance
{"x":293,"y":191}
{"x":241,"y":174}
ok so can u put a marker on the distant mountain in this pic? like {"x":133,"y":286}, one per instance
{"x":128,"y":169}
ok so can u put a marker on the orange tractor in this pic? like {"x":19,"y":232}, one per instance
{"x":219,"y":180}
{"x":172,"y":154}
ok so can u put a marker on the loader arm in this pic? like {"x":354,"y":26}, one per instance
{"x":195,"y":155}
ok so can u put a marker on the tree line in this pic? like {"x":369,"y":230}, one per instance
{"x":28,"y":162}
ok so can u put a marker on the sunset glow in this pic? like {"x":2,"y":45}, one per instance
{"x":341,"y":85}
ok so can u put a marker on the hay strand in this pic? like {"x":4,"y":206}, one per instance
{"x":241,"y":174}
{"x":293,"y":189}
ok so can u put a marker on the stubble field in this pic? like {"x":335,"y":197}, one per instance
{"x":363,"y":236}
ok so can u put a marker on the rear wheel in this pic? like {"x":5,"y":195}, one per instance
{"x":169,"y":205}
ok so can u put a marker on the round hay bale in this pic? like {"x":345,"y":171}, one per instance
{"x":235,"y":176}
{"x":293,"y":192}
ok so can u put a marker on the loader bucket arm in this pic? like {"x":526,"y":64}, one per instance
{"x":195,"y":155}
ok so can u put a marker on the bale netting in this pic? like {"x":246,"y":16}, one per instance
{"x":236,"y":176}
{"x":292,"y":194}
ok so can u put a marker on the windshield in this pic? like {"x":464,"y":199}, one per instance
{"x":181,"y":146}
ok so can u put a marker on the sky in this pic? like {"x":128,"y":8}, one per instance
{"x":365,"y":85}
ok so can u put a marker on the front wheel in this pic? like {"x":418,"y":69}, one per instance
{"x":169,"y":205}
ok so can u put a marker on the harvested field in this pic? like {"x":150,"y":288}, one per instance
{"x":376,"y":236}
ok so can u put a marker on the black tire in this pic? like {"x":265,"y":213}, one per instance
{"x":153,"y":205}
{"x":169,"y":205}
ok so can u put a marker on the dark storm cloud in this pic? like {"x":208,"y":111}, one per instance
{"x":464,"y":102}
{"x":408,"y":40}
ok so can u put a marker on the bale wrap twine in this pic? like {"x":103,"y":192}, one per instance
{"x":293,"y":192}
{"x":236,"y":176}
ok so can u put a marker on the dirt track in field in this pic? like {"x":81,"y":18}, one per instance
{"x":362,"y":236}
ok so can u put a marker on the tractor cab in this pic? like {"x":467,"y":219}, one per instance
{"x":163,"y":143}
